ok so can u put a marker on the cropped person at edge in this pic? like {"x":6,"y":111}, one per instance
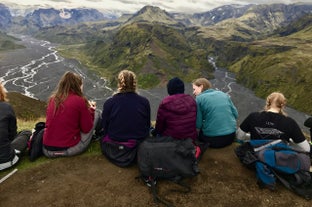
{"x":216,"y":115}
{"x":12,"y":144}
{"x":70,"y":119}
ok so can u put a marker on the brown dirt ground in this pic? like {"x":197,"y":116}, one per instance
{"x":91,"y":180}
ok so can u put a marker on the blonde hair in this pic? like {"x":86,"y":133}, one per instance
{"x":204,"y":82}
{"x":278,"y":100}
{"x":126,"y":82}
{"x":3,"y":93}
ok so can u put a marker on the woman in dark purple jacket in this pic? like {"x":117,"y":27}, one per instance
{"x":176,"y":115}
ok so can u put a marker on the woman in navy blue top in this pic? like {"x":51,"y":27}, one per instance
{"x":125,"y":120}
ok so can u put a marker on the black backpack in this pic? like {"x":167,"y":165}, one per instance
{"x":166,"y":158}
{"x":36,"y":142}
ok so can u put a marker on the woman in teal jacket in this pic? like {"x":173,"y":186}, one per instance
{"x":216,"y":115}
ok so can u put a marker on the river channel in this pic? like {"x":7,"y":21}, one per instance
{"x":36,"y":69}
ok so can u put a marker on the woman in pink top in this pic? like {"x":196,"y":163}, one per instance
{"x":70,"y":119}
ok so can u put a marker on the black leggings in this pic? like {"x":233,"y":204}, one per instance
{"x":218,"y":141}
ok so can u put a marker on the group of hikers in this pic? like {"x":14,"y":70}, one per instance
{"x":209,"y":119}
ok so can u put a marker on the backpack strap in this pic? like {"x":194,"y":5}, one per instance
{"x":152,"y":185}
{"x":156,"y":197}
{"x":184,"y":185}
{"x":266,"y":145}
{"x":153,"y":188}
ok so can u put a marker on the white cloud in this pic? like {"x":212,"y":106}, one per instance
{"x":131,"y":6}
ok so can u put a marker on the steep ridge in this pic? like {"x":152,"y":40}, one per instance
{"x":281,"y":63}
{"x":5,"y":17}
{"x":26,"y":108}
{"x":51,"y":17}
{"x":254,"y":21}
{"x":218,"y":14}
{"x":153,"y":15}
{"x":8,"y":42}
{"x":154,"y":51}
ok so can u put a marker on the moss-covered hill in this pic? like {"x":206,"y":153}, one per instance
{"x":26,"y":108}
{"x":8,"y":42}
{"x":154,"y":51}
{"x":281,"y":63}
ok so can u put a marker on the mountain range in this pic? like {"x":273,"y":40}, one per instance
{"x":267,"y":46}
{"x":255,"y":16}
{"x":5,"y":17}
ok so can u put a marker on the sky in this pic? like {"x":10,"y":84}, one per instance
{"x":131,"y":6}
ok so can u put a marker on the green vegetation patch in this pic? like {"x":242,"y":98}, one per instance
{"x":288,"y":71}
{"x":25,"y":107}
{"x":8,"y":42}
{"x":155,"y":51}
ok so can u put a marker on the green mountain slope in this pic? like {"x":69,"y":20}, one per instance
{"x":155,"y":52}
{"x":26,"y":108}
{"x":303,"y":24}
{"x":281,"y":63}
{"x":256,"y":23}
{"x":151,"y":43}
{"x":8,"y":42}
{"x":154,"y":15}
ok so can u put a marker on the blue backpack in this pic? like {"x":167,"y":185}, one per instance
{"x":35,"y":142}
{"x":275,"y":160}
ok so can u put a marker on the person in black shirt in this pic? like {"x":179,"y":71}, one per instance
{"x":308,"y":123}
{"x":273,"y":123}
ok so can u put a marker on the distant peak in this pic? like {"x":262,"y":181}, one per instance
{"x":65,"y":14}
{"x":152,"y":14}
{"x":150,"y":10}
